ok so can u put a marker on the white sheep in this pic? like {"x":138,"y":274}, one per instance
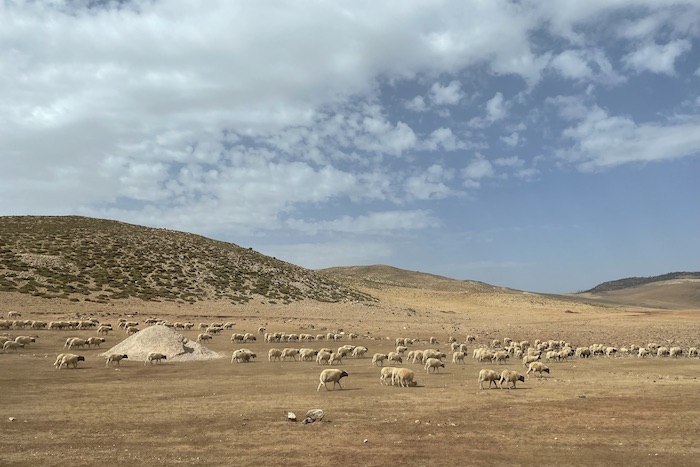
{"x":359,"y":352}
{"x":70,"y":359}
{"x":386,"y":375}
{"x":289,"y":352}
{"x":307,"y":355}
{"x":433,"y":364}
{"x":537,"y":367}
{"x":527,"y":359}
{"x":693,"y":352}
{"x":204,"y":337}
{"x":500,"y":357}
{"x":331,"y":374}
{"x":59,"y":357}
{"x":25,"y":340}
{"x":510,"y":376}
{"x":273,"y":354}
{"x":154,"y":357}
{"x":104,"y":329}
{"x":404,"y":377}
{"x":643,"y":352}
{"x":96,"y":341}
{"x":323,"y":358}
{"x":11,"y":345}
{"x":242,"y":356}
{"x":77,"y":342}
{"x":458,"y":357}
{"x":490,"y":376}
{"x":672,"y":352}
{"x":394,"y":357}
{"x":115,"y":357}
{"x":379,"y":358}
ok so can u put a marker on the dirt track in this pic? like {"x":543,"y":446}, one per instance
{"x":617,"y":411}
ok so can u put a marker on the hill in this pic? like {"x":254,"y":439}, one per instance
{"x":87,"y":259}
{"x":377,"y":276}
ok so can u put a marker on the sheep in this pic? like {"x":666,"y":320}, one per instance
{"x":57,"y":363}
{"x":331,"y":374}
{"x":379,"y":358}
{"x":583,"y":352}
{"x":323,"y":358}
{"x":115,"y":357}
{"x":104,"y":329}
{"x":537,"y":367}
{"x":70,"y":359}
{"x":154,"y":357}
{"x":693,"y":352}
{"x":672,"y":352}
{"x":662,"y":352}
{"x":335,"y":358}
{"x":25,"y":340}
{"x":401,"y":349}
{"x":131,"y":330}
{"x":471,"y":339}
{"x":499,"y":357}
{"x":643,"y":352}
{"x":242,"y":356}
{"x":527,"y":359}
{"x":13,"y":314}
{"x":404,"y":377}
{"x":307,"y":355}
{"x":96,"y":341}
{"x":386,"y":374}
{"x":77,"y":342}
{"x":11,"y":345}
{"x":510,"y":376}
{"x":433,"y":341}
{"x":433,"y":364}
{"x":204,"y":337}
{"x":288,"y":352}
{"x":458,"y":357}
{"x":610,"y":351}
{"x":273,"y":354}
{"x":433,"y":353}
{"x":359,"y":352}
{"x":394,"y":357}
{"x":490,"y":376}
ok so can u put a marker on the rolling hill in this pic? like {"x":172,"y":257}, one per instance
{"x":87,"y":259}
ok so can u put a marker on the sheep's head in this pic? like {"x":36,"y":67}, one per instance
{"x":343,"y":374}
{"x":546,"y":370}
{"x":125,"y":356}
{"x":81,"y":358}
{"x":521,"y":378}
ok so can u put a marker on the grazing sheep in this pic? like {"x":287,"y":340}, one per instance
{"x":273,"y":354}
{"x":70,"y":359}
{"x":11,"y":345}
{"x":672,"y":352}
{"x":96,"y":341}
{"x":104,"y":329}
{"x":13,"y":314}
{"x":510,"y":376}
{"x":335,"y":358}
{"x":386,"y":375}
{"x":307,"y":355}
{"x":401,"y":349}
{"x":433,"y":364}
{"x":331,"y":374}
{"x":490,"y":376}
{"x":458,"y":357}
{"x":433,"y":353}
{"x":582,"y":352}
{"x":131,"y":330}
{"x":610,"y":351}
{"x":288,"y":352}
{"x":115,"y":357}
{"x":154,"y":357}
{"x":433,"y":341}
{"x":242,"y":356}
{"x":500,"y":357}
{"x":527,"y":359}
{"x":537,"y":367}
{"x":59,"y":357}
{"x":403,"y":377}
{"x":77,"y":342}
{"x":662,"y":352}
{"x":323,"y":358}
{"x":25,"y":340}
{"x":417,"y":357}
{"x":204,"y":337}
{"x":379,"y":358}
{"x":643,"y":352}
{"x":394,"y":357}
{"x":359,"y":352}
{"x":693,"y":352}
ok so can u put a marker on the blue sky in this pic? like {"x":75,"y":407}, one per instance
{"x":544,"y":146}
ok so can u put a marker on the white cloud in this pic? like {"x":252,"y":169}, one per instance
{"x":430,"y":184}
{"x":443,"y":138}
{"x":513,"y":161}
{"x":657,"y":58}
{"x":603,"y":141}
{"x":446,"y":95}
{"x":417,"y":104}
{"x":496,"y":108}
{"x":511,"y":140}
{"x":478,"y":168}
{"x":585,"y":65}
{"x":374,"y":223}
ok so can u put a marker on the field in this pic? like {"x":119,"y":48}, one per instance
{"x":600,"y":411}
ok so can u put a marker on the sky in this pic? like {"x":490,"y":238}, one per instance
{"x":543,"y":146}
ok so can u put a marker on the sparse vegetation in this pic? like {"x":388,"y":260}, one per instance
{"x":81,"y":258}
{"x":637,"y":281}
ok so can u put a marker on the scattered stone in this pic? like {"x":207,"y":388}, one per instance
{"x":291,"y":416}
{"x":313,"y":415}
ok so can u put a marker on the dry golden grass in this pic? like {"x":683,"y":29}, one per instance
{"x":617,"y":411}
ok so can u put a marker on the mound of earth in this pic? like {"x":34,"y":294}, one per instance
{"x":164,"y":340}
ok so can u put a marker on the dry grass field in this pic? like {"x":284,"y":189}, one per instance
{"x":600,"y":411}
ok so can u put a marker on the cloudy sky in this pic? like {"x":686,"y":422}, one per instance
{"x":545,"y":146}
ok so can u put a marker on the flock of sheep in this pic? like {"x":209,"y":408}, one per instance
{"x":497,"y":352}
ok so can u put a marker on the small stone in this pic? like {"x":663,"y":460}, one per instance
{"x":12,"y":419}
{"x":291,"y":416}
{"x":365,"y":441}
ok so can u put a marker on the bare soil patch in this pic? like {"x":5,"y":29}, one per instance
{"x":602,"y":411}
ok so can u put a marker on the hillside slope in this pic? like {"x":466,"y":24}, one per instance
{"x":87,"y":259}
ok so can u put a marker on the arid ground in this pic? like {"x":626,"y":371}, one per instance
{"x":600,"y":411}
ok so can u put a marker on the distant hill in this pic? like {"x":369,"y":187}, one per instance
{"x":637,"y":281}
{"x":87,"y":259}
{"x":677,"y":290}
{"x":381,"y":275}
